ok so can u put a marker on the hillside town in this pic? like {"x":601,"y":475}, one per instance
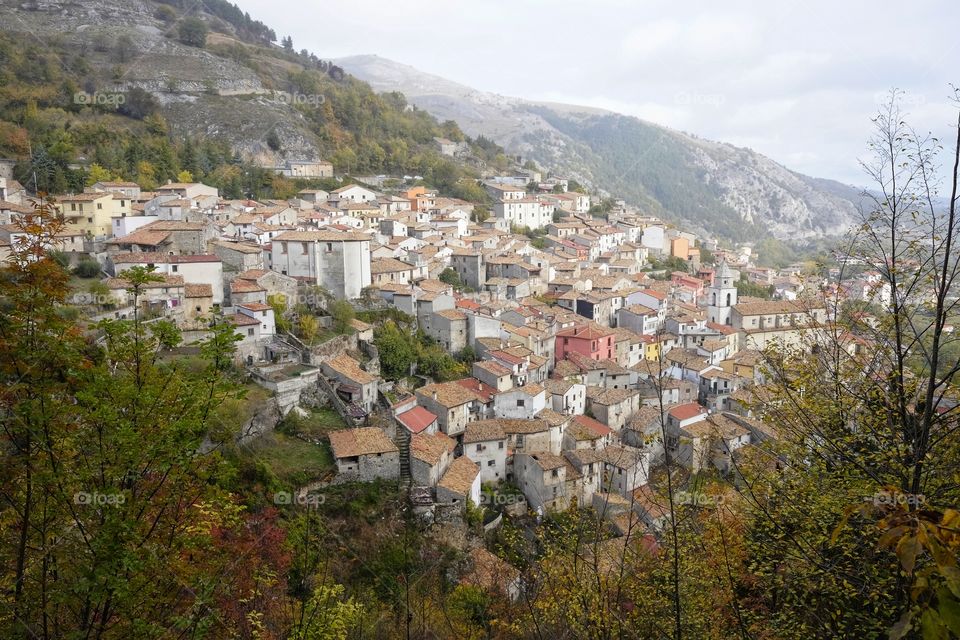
{"x":596,"y":344}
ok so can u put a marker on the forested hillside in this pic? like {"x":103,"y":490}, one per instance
{"x":214,"y":98}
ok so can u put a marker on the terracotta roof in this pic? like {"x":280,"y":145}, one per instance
{"x":621,"y":456}
{"x":349,"y":368}
{"x":448,"y":394}
{"x":483,"y":431}
{"x":552,"y":418}
{"x":416,"y":419}
{"x":450,"y":314}
{"x":460,"y":475}
{"x":495,"y":368}
{"x":242,"y":320}
{"x":430,"y":448}
{"x":197,"y":291}
{"x":322,"y":236}
{"x":489,"y":572}
{"x":254,"y":306}
{"x":687,"y":411}
{"x":153,"y":257}
{"x":166,"y":280}
{"x":484,"y":391}
{"x":524,"y":426}
{"x":595,"y":426}
{"x":388,"y":265}
{"x":547,"y":461}
{"x":245,"y":286}
{"x":143,"y":236}
{"x":348,"y":443}
{"x":585,"y":332}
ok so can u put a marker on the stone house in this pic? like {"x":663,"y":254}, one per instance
{"x":542,"y":478}
{"x":365,"y":454}
{"x":460,"y":483}
{"x":613,"y":407}
{"x":453,"y":404}
{"x":430,"y":456}
{"x":485,"y":442}
{"x":521,"y":403}
{"x":352,"y":384}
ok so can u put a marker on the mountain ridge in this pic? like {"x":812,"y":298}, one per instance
{"x":714,"y":187}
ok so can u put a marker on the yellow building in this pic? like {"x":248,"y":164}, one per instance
{"x":680,"y":248}
{"x":651,"y":348}
{"x":90,"y":213}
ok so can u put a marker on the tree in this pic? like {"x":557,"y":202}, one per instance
{"x":185,"y":176}
{"x":287,"y":43}
{"x":342,"y":313}
{"x":87,"y":268}
{"x":192,"y":31}
{"x":859,"y":425}
{"x":309,"y":327}
{"x":108,"y":501}
{"x":138,"y":103}
{"x":397,"y":350}
{"x":165,"y":13}
{"x":451,"y":277}
{"x":97,"y":174}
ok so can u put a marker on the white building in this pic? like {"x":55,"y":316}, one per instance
{"x":722,"y":296}
{"x":196,"y":269}
{"x":338,"y":261}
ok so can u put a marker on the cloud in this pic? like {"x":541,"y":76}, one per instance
{"x":795,"y":80}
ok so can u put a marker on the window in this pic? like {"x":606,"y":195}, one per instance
{"x":198,"y":309}
{"x":303,"y":247}
{"x":490,"y":463}
{"x":73,"y":206}
{"x":99,"y":205}
{"x":174,"y":267}
{"x":500,"y":445}
{"x":521,"y":402}
{"x":283,"y":247}
{"x":555,"y":473}
{"x":329,"y":247}
{"x":249,"y":332}
{"x":479,"y":447}
{"x":89,"y":219}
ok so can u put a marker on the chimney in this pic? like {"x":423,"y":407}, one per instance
{"x":434,"y":395}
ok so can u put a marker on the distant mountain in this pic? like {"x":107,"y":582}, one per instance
{"x":716,"y":187}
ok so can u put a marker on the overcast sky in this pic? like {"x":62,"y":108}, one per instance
{"x":796,"y":80}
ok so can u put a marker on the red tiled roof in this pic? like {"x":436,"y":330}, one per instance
{"x":687,"y":411}
{"x":593,"y":425}
{"x":485,"y":391}
{"x":416,"y":419}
